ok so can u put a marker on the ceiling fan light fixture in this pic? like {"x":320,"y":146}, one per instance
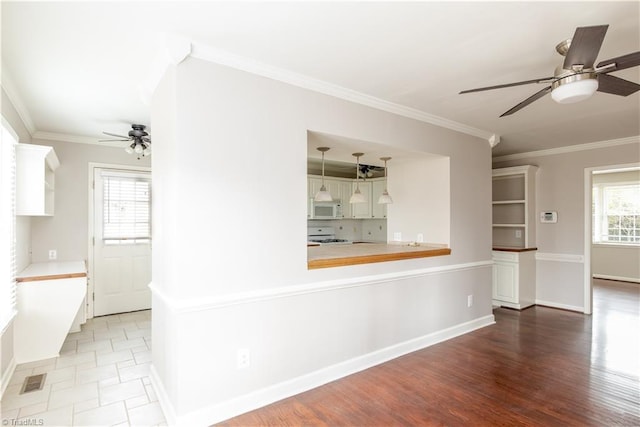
{"x":129,"y":149}
{"x":574,"y":88}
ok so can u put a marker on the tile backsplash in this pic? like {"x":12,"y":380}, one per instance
{"x":358,"y":230}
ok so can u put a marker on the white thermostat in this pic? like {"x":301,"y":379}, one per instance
{"x":549,"y":217}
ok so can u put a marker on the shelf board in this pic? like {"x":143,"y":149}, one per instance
{"x":507,"y":202}
{"x":508,"y":225}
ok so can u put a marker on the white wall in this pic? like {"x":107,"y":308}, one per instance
{"x":616,"y":262}
{"x":67,"y":230}
{"x":560,"y":184}
{"x":422,"y":189}
{"x":229,"y":273}
{"x":23,"y":228}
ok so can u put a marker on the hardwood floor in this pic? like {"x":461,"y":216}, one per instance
{"x":537,"y":367}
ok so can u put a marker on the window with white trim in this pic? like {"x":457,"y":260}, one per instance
{"x":616,"y":213}
{"x":127,"y":208}
{"x":7,"y":226}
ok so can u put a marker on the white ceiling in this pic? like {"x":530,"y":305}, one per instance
{"x":74,"y":69}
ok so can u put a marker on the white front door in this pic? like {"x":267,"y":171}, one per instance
{"x":122,"y":244}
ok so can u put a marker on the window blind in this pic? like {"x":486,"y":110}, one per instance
{"x":7,"y":226}
{"x":127,"y":208}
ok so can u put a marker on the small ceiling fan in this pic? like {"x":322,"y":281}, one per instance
{"x":576,"y":78}
{"x":140,"y":140}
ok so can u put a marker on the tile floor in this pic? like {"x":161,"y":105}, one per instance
{"x":101,"y":378}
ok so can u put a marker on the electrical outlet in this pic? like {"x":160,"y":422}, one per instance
{"x":469,"y":300}
{"x":420,"y":238}
{"x":243,"y":358}
{"x":53,"y":254}
{"x":518,"y":234}
{"x":397,"y":236}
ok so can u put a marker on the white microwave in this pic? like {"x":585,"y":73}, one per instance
{"x":325,"y":210}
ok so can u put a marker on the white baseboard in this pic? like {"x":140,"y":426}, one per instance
{"x":163,"y":397}
{"x":6,"y":376}
{"x":620,"y":278}
{"x":224,"y":410}
{"x":561,"y":306}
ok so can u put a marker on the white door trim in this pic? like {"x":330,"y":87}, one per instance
{"x":588,"y":227}
{"x":90,"y":261}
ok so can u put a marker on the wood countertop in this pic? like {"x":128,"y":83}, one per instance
{"x":511,"y":249}
{"x":325,"y":256}
{"x":52,"y":271}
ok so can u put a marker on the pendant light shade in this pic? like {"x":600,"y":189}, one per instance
{"x":385,"y":198}
{"x":357,"y":196}
{"x":323,"y":195}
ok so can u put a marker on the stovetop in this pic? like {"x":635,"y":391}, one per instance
{"x":332,"y":241}
{"x":325,"y":236}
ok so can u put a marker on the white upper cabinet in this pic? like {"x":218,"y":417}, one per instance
{"x":331,"y":184}
{"x":362,"y":210}
{"x":377,"y":188}
{"x":341,"y":190}
{"x":345,"y":189}
{"x":35,"y":179}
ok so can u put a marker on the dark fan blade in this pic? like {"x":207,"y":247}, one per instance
{"x":622,"y":62}
{"x":585,"y":46}
{"x":528,"y":101}
{"x":112,"y":140}
{"x":526,"y":82}
{"x":616,"y":86}
{"x":115,"y":134}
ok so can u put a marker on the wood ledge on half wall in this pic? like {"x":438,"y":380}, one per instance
{"x":513,"y":249}
{"x":325,"y":256}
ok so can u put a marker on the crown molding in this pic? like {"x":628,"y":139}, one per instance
{"x":218,"y":56}
{"x":10,"y":89}
{"x":171,"y":49}
{"x":569,"y":149}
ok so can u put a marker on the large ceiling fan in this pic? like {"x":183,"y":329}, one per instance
{"x":577,"y":78}
{"x":140,"y":141}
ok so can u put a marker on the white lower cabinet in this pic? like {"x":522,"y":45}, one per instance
{"x":514,"y":279}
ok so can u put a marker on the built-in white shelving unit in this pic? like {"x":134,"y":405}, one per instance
{"x":35,"y":179}
{"x":514,"y":231}
{"x":513,"y":207}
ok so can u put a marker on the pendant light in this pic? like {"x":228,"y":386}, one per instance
{"x":385,"y":198}
{"x":323,"y":195}
{"x":357,"y":196}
